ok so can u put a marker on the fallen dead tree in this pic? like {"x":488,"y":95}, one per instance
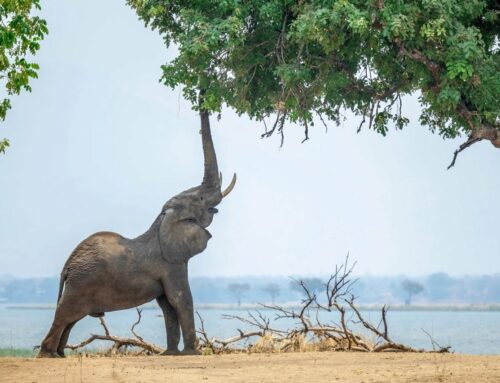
{"x":308,"y":332}
{"x":121,"y":344}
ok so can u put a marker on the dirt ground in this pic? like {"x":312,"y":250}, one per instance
{"x":291,"y":367}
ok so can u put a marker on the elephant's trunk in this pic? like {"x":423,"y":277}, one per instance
{"x":211,"y":175}
{"x":212,"y":180}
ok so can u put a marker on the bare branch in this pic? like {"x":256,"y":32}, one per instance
{"x":269,"y":133}
{"x":384,"y":321}
{"x":139,"y":317}
{"x":320,"y":115}
{"x":470,"y":141}
{"x":435,"y":345}
{"x":306,"y":132}
{"x":103,"y":324}
{"x":119,"y":342}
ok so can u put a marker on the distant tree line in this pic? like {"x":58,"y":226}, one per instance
{"x":434,"y":288}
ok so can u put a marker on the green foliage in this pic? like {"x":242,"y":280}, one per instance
{"x":20,"y":36}
{"x":300,"y":58}
{"x":4,"y":144}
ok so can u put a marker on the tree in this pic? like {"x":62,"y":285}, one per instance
{"x":20,"y":36}
{"x":238,"y":290}
{"x":439,"y":286}
{"x":296,"y":59}
{"x":273,"y":290}
{"x":411,"y":288}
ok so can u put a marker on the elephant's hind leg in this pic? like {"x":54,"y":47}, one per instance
{"x":49,"y":346}
{"x":64,"y":339}
{"x":65,"y":315}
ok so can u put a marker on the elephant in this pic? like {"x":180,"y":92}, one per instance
{"x":108,"y":272}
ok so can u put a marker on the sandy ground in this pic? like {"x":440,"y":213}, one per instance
{"x":296,"y":367}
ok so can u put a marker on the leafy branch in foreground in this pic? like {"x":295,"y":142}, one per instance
{"x":20,"y":36}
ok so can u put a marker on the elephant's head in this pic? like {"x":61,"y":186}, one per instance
{"x":186,"y":216}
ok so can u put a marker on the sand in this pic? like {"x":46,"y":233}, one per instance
{"x":290,"y":367}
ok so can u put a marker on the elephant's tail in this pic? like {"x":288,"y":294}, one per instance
{"x":64,"y":275}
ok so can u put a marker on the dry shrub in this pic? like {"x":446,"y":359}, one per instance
{"x":295,"y":343}
{"x":207,"y":351}
{"x":326,"y":344}
{"x":265,"y":344}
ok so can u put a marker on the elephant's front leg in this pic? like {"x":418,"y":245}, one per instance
{"x":179,"y":296}
{"x":171,"y":325}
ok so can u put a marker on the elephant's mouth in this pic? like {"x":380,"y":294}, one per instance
{"x":194,"y":221}
{"x":207,"y":232}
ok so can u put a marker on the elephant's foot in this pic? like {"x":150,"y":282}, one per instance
{"x":171,"y":352}
{"x":48,"y":354}
{"x":61,"y":354}
{"x":190,"y":351}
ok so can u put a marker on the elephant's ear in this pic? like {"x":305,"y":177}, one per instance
{"x":180,"y":239}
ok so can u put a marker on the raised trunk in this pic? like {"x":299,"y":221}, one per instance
{"x":211,"y":173}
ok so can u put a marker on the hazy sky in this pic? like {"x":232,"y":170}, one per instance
{"x":100,"y":144}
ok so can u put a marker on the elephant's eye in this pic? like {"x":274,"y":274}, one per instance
{"x":191,"y":220}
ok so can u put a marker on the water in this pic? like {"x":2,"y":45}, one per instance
{"x":466,"y":331}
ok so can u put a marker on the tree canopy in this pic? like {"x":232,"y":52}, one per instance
{"x":296,"y":59}
{"x":20,"y":36}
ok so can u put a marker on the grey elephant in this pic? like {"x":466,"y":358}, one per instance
{"x":107,"y":272}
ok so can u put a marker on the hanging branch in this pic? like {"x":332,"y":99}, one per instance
{"x":470,"y":141}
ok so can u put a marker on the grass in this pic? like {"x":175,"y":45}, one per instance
{"x":17,"y":352}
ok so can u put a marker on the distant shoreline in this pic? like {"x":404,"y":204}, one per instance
{"x":363,"y":307}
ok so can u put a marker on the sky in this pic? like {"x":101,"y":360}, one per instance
{"x":100,"y":144}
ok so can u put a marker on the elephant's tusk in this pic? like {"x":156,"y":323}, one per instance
{"x":230,"y":187}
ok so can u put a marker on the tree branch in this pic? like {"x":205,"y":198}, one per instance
{"x":119,"y":342}
{"x":470,"y":141}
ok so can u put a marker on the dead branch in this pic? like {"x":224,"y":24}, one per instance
{"x":119,"y":342}
{"x":139,"y":317}
{"x":435,"y":345}
{"x":206,"y":341}
{"x":225,"y":342}
{"x":384,"y":320}
{"x":309,"y":326}
{"x":340,"y":283}
{"x":103,"y":324}
{"x":220,"y":345}
{"x":309,"y":329}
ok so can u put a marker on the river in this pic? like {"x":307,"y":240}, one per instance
{"x":471,"y":332}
